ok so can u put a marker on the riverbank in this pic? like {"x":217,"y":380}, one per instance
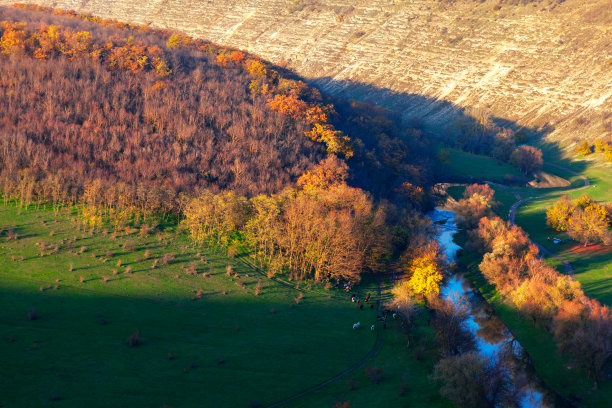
{"x":553,"y":368}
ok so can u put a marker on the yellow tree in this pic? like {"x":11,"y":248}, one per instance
{"x":329,"y":172}
{"x":426,"y":273}
{"x":557,"y":217}
{"x":584,"y":148}
{"x":336,"y":141}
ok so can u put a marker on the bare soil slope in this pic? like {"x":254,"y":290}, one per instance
{"x":545,"y":64}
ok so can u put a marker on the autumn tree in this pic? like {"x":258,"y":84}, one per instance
{"x":403,"y":301}
{"x":426,"y":272}
{"x":558,"y":216}
{"x":584,"y":148}
{"x":503,"y":144}
{"x":329,"y":172}
{"x":600,"y":146}
{"x":527,"y":158}
{"x":590,"y":225}
{"x":337,"y":142}
{"x":585,"y":330}
{"x":477,"y":203}
{"x":472,"y":380}
{"x":450,"y":322}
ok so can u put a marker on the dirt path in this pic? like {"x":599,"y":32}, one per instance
{"x":520,"y":201}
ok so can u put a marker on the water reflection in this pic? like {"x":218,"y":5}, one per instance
{"x":493,"y":339}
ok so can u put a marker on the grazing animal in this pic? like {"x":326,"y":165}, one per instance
{"x":394,"y":315}
{"x":372,"y":328}
{"x":356,"y":325}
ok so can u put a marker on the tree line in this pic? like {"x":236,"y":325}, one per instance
{"x":476,"y":132}
{"x":511,"y":262}
{"x":325,"y":230}
{"x":148,"y":116}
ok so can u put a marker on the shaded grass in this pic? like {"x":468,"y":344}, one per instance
{"x":228,"y":346}
{"x":463,"y":167}
{"x":399,"y":367}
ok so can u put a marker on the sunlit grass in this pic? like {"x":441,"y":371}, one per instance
{"x":206,"y":340}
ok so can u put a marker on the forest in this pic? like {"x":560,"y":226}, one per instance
{"x":138,"y":124}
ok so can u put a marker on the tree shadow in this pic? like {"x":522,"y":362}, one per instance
{"x":438,"y":122}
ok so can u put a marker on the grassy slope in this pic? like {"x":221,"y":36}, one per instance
{"x":69,"y":353}
{"x":399,"y":365}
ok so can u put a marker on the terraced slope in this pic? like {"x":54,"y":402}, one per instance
{"x":539,"y":65}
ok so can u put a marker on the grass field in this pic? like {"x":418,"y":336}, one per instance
{"x":463,"y":167}
{"x":206,"y":341}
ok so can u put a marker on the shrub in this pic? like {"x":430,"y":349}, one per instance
{"x":108,"y":254}
{"x":32,"y":314}
{"x":258,"y":288}
{"x":374,"y":374}
{"x":402,"y":389}
{"x":167,"y":258}
{"x":299,"y":298}
{"x":134,"y":339}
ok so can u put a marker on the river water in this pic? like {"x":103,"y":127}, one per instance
{"x":492,"y":336}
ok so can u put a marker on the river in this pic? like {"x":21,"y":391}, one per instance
{"x":491,"y":334}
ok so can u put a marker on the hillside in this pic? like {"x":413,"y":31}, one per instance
{"x":544,"y":65}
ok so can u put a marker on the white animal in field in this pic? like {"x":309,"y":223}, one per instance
{"x":372,"y":328}
{"x":356,"y":325}
{"x":394,"y":315}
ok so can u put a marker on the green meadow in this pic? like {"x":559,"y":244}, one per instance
{"x":71,"y":299}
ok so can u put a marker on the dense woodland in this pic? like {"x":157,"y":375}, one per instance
{"x":135,"y":123}
{"x":136,"y":108}
{"x":74,"y":118}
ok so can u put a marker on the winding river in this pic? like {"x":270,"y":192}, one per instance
{"x":491,"y":334}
